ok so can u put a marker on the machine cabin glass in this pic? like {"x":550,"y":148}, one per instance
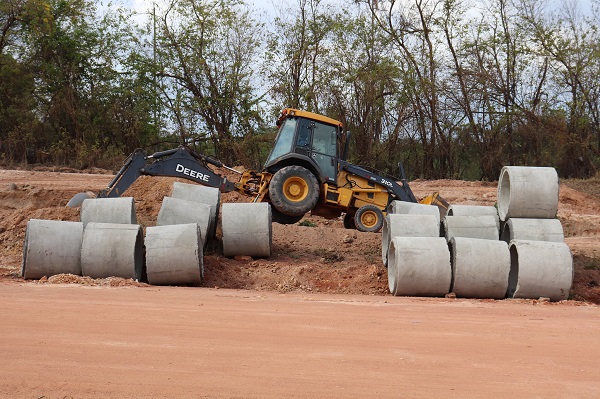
{"x":284,"y":140}
{"x":323,"y":149}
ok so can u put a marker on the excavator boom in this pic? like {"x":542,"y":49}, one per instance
{"x":178,"y":162}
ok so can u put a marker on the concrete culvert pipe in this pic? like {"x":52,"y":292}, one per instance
{"x":527,"y":192}
{"x":403,"y":207}
{"x":174,"y":255}
{"x":51,"y":247}
{"x":480,"y":268}
{"x":112,"y":250}
{"x":178,"y":211}
{"x":483,"y":227}
{"x":540,"y":269}
{"x":473,"y":210}
{"x":204,"y":195}
{"x":247,"y":229}
{"x":533,"y":229}
{"x":108,"y":210}
{"x":419,"y":266}
{"x":398,"y":225}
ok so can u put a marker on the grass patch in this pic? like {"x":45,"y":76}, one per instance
{"x":329,"y":255}
{"x":592,"y":264}
{"x":307,"y":223}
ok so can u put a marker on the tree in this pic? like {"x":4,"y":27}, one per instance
{"x":297,"y":49}
{"x":571,"y":42}
{"x":206,"y":53}
{"x":363,"y":80}
{"x":411,"y":28}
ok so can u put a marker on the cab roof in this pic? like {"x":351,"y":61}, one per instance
{"x":309,"y":115}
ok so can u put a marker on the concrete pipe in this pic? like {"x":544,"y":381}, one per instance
{"x":540,"y":269}
{"x":527,"y":192}
{"x":178,"y":211}
{"x":174,"y":255}
{"x":403,"y":207}
{"x":204,"y":195}
{"x":472,"y":210}
{"x":108,"y":210}
{"x":398,"y":225}
{"x":247,"y":229}
{"x":483,"y":227}
{"x":419,"y":266}
{"x":51,"y":247}
{"x":111,"y":249}
{"x":480,"y":268}
{"x":533,"y":229}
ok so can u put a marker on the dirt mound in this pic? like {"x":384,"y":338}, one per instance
{"x":317,"y":255}
{"x":101,"y":282}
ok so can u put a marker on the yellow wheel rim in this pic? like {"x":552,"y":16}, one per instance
{"x":295,"y":189}
{"x":369,"y":219}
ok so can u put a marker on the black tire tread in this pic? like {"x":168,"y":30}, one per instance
{"x":282,"y":204}
{"x":349,"y":222}
{"x":360,"y":226}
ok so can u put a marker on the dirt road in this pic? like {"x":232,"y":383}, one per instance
{"x":78,"y":342}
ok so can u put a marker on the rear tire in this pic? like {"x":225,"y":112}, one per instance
{"x":349,"y":222}
{"x":368,"y":218}
{"x":294,"y":190}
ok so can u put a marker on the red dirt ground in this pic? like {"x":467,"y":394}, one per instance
{"x":285,"y":334}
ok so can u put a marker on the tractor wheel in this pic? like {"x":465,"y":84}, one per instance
{"x":368,"y":218}
{"x":294,"y":190}
{"x":349,"y":222}
{"x":281,"y":218}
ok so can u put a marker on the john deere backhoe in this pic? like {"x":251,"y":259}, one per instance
{"x":306,"y":171}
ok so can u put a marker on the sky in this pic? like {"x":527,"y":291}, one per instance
{"x":268,"y":6}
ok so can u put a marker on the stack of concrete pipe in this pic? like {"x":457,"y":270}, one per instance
{"x":528,"y":260}
{"x":195,"y":194}
{"x":108,"y":241}
{"x":541,"y":263}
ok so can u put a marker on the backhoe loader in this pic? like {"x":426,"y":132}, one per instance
{"x":306,"y":171}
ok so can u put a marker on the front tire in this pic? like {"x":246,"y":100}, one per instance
{"x":294,"y":190}
{"x":368,"y":218}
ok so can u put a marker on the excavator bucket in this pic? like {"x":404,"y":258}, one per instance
{"x":437,"y":200}
{"x":78,"y":199}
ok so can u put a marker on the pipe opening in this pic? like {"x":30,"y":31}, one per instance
{"x":513,"y":275}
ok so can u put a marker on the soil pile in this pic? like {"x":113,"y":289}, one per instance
{"x":316,"y":255}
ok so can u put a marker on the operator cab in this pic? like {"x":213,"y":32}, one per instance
{"x":307,"y":138}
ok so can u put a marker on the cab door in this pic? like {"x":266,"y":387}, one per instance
{"x":323,"y":149}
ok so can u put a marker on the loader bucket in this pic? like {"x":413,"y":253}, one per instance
{"x":435,"y":199}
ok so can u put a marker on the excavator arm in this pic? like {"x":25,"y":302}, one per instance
{"x":177,"y":162}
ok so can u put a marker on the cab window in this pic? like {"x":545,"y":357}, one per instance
{"x":324,"y":139}
{"x":284,"y":140}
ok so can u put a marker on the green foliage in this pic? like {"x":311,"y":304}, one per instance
{"x":592,"y":264}
{"x":307,"y":223}
{"x":204,"y":61}
{"x":445,"y":95}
